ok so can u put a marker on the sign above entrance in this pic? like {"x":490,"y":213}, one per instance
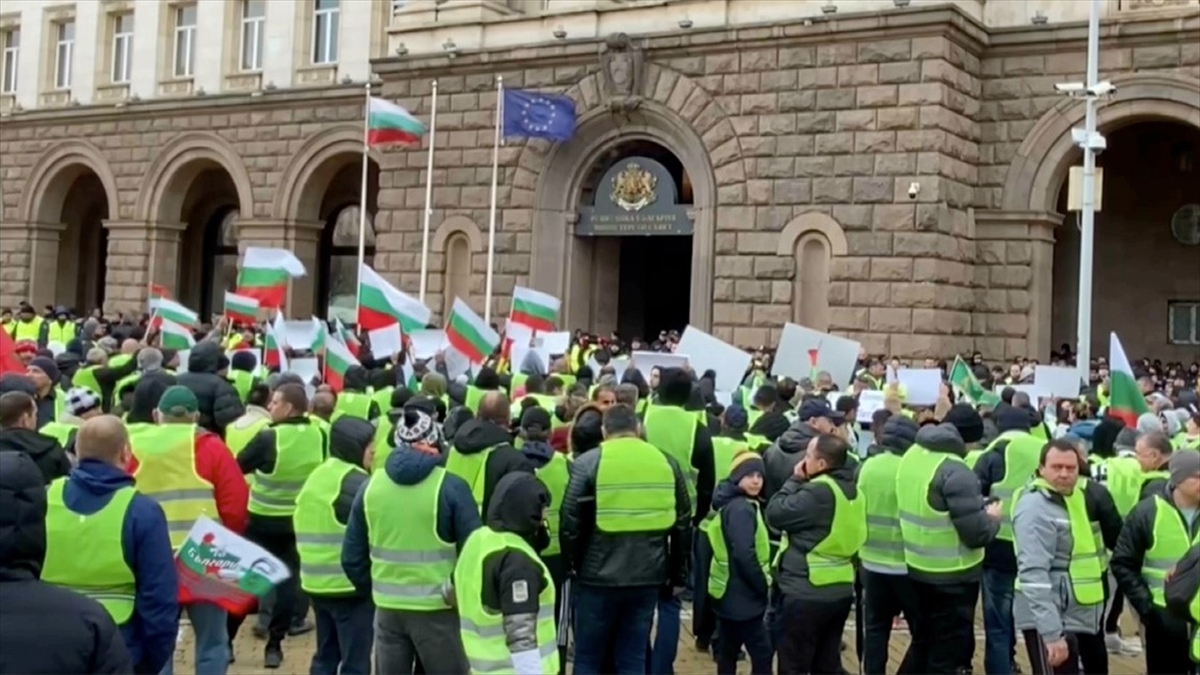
{"x":637,"y":196}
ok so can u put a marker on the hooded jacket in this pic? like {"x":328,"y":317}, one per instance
{"x":955,"y":491}
{"x":803,"y":511}
{"x":46,"y":629}
{"x":1137,"y":535}
{"x":356,"y":381}
{"x":219,"y":402}
{"x":50,"y":457}
{"x":512,"y":581}
{"x":784,"y":454}
{"x":621,"y":560}
{"x":990,"y":470}
{"x":475,"y":436}
{"x":348,"y":441}
{"x":146,"y":545}
{"x":746,"y":591}
{"x":457,"y":516}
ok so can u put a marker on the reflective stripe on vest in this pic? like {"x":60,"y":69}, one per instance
{"x":718,"y":571}
{"x":883,"y":550}
{"x":239,"y":434}
{"x":299,"y":449}
{"x":1125,"y":478}
{"x":318,"y":533}
{"x":931,"y":543}
{"x":1170,"y":542}
{"x":554,"y":475}
{"x":482,"y":630}
{"x":830,"y":561}
{"x":84,"y":553}
{"x":1021,"y":456}
{"x":673,"y":430}
{"x":1084,"y":568}
{"x":60,"y":333}
{"x":166,"y":473}
{"x":409,"y":561}
{"x":635,"y":488}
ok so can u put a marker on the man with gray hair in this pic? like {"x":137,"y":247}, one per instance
{"x":627,"y":394}
{"x":101,"y":375}
{"x":149,"y":366}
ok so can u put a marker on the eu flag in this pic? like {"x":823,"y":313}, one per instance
{"x":533,"y":114}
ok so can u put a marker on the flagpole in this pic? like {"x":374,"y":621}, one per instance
{"x":491,"y":252}
{"x":362,"y":199}
{"x":428,"y":193}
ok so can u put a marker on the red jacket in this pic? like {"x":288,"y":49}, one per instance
{"x":216,"y":464}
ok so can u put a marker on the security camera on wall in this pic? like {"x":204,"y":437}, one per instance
{"x":914,"y":189}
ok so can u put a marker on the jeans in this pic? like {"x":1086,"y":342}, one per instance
{"x":666,"y":636}
{"x":345,"y":635}
{"x":613,"y":619}
{"x":403,"y":636}
{"x":1000,"y":637}
{"x":945,"y":613}
{"x":212,"y":640}
{"x":886,"y":596}
{"x":281,"y":544}
{"x":810,"y":635}
{"x":753,"y":635}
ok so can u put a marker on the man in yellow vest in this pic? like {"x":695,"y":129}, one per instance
{"x":61,"y":329}
{"x":281,"y":457}
{"x":345,"y":615}
{"x":82,"y":405}
{"x":28,"y":326}
{"x":95,"y":508}
{"x":945,"y":526}
{"x":1158,"y":532}
{"x":46,"y":381}
{"x":256,"y":418}
{"x":354,"y":400}
{"x":483,"y":451}
{"x":406,"y":528}
{"x":18,"y":431}
{"x":1060,"y":574}
{"x":504,"y":592}
{"x":824,"y":525}
{"x":626,"y":536}
{"x":1182,"y":593}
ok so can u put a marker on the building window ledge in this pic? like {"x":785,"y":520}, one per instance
{"x":58,"y":98}
{"x":8,"y":103}
{"x":243,"y":82}
{"x":176,"y":86}
{"x":322,"y":74}
{"x":112,"y":93}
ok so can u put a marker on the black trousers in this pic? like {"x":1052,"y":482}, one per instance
{"x":1036,"y":647}
{"x":752,"y":634}
{"x":1167,"y":646}
{"x":809,"y":635}
{"x":281,"y":544}
{"x":886,"y":596}
{"x":946,"y":614}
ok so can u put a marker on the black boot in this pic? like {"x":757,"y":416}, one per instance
{"x":273,"y":655}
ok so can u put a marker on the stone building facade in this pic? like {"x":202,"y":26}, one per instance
{"x":800,"y":140}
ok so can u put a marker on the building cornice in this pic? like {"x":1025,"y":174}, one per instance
{"x":1131,"y":29}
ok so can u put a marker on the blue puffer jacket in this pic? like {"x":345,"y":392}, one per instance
{"x":146,"y":543}
{"x":457,"y":515}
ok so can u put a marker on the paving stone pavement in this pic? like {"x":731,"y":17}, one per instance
{"x":298,"y":652}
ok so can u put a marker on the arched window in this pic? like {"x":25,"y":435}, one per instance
{"x":810,"y":298}
{"x":220,"y":244}
{"x":457,"y":280}
{"x":340,"y":283}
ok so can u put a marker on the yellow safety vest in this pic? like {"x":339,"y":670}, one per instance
{"x":166,"y":473}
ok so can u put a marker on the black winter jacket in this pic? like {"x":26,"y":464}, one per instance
{"x":477,"y":435}
{"x":783,"y":455}
{"x":803,"y":511}
{"x":50,"y":457}
{"x":44,"y":628}
{"x":219,"y":402}
{"x":1184,"y":585}
{"x":621,"y":560}
{"x":955,"y":490}
{"x":746,"y":592}
{"x":1137,"y":535}
{"x":990,"y":470}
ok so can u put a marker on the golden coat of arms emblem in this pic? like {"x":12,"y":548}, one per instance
{"x":633,"y":188}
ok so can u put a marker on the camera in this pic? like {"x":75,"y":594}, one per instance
{"x":914,"y":189}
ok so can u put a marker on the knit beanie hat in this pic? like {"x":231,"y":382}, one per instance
{"x":417,"y":427}
{"x":967,"y":420}
{"x":47,"y":366}
{"x":745,"y":463}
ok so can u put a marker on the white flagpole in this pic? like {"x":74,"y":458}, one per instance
{"x":428,"y":194}
{"x":362,"y":201}
{"x":491,"y":252}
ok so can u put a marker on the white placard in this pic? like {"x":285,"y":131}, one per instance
{"x":644,"y":362}
{"x":921,"y":385}
{"x":305,"y":368}
{"x":520,"y":353}
{"x":556,"y":343}
{"x":385,"y":341}
{"x":837,"y":355}
{"x":456,"y":364}
{"x":425,"y":344}
{"x":519,"y":333}
{"x":1058,"y":381}
{"x":619,"y":366}
{"x":711,"y":353}
{"x":183,"y":357}
{"x":869,"y":401}
{"x":300,"y":335}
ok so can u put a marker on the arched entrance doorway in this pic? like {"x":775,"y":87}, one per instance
{"x":83,"y":243}
{"x":332,"y":198}
{"x":1146,"y":274}
{"x":207,"y":202}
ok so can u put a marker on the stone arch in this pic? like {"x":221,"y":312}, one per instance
{"x":180,"y":155}
{"x":812,"y":240}
{"x":457,"y":225}
{"x":1036,"y":175}
{"x":295,"y":198}
{"x":45,"y":186}
{"x":813,"y":222}
{"x":675,"y":113}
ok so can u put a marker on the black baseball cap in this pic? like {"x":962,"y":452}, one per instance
{"x":819,"y":407}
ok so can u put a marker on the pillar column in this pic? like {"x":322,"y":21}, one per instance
{"x":139,"y":254}
{"x":43,"y":263}
{"x":14,"y":263}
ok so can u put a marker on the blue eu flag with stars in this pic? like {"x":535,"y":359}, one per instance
{"x":534,"y":114}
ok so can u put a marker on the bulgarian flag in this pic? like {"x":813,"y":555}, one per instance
{"x":320,"y":336}
{"x":273,"y":356}
{"x":1125,"y":399}
{"x":381,"y":304}
{"x":175,"y":336}
{"x":264,"y":274}
{"x":390,"y":124}
{"x":157,"y":292}
{"x":534,"y":309}
{"x":241,"y":307}
{"x":173,"y":312}
{"x":469,"y":334}
{"x":338,"y":360}
{"x":346,"y":336}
